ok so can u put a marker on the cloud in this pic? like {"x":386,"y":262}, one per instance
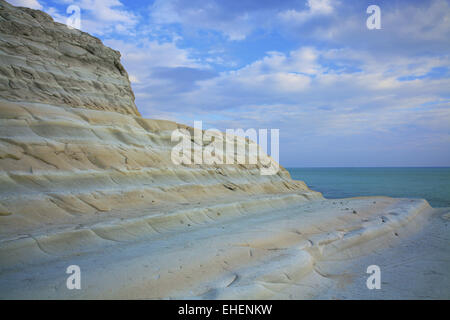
{"x":193,"y":15}
{"x":100,"y":17}
{"x":312,"y":94}
{"x":320,"y":6}
{"x":275,"y":76}
{"x":407,"y":28}
{"x":314,"y":9}
{"x":160,"y":72}
{"x":234,"y":19}
{"x":33,"y":4}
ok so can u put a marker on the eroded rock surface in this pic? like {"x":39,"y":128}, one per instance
{"x":44,"y":61}
{"x":85,"y":180}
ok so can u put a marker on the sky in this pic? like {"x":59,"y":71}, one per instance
{"x":342,"y":95}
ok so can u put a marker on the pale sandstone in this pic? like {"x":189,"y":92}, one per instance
{"x":85,"y":180}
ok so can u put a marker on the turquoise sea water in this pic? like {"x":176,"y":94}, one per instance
{"x":432,"y":184}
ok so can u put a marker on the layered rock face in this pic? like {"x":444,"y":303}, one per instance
{"x":44,"y":61}
{"x":74,"y":149}
{"x":85,"y":180}
{"x":73,"y":143}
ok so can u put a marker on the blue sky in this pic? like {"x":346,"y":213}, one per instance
{"x":341,"y":94}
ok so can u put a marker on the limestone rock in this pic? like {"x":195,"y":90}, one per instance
{"x":45,"y":61}
{"x":85,"y":180}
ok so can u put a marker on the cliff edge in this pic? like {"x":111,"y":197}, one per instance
{"x":85,"y":180}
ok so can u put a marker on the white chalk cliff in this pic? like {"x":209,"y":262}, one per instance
{"x":85,"y":180}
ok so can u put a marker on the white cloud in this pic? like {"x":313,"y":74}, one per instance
{"x":133,"y":78}
{"x":307,"y":90}
{"x":100,"y":17}
{"x":320,"y":6}
{"x":144,"y":54}
{"x":214,"y":15}
{"x":141,"y":58}
{"x":407,"y":28}
{"x":275,"y":76}
{"x":430,"y":23}
{"x":33,"y":4}
{"x":315,"y":8}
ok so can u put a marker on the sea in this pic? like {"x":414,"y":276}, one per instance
{"x":432,"y":184}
